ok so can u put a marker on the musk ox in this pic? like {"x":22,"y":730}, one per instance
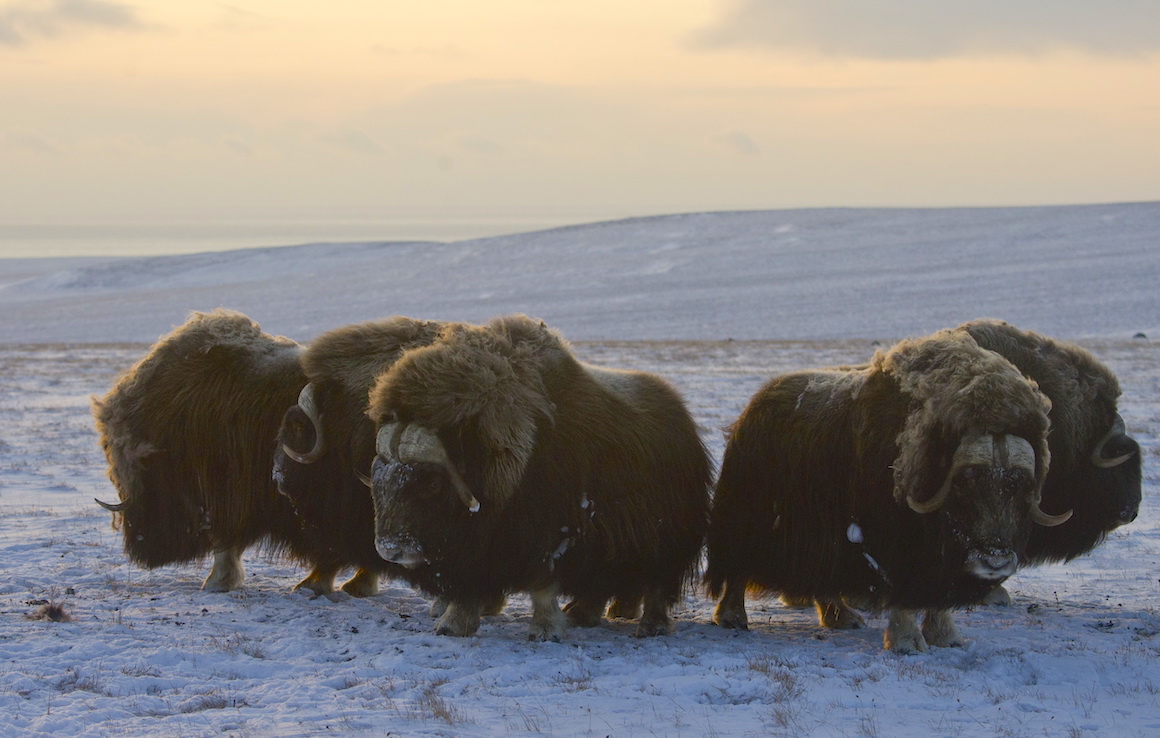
{"x":327,"y":443}
{"x":189,"y":433}
{"x":910,"y":483}
{"x":504,"y":464}
{"x":1095,"y":465}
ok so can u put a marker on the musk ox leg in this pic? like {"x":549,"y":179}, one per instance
{"x":364,"y":583}
{"x":320,"y":581}
{"x":627,"y":608}
{"x":730,"y":612}
{"x":939,"y":630}
{"x":548,"y":622}
{"x":490,"y":607}
{"x":495,"y":605}
{"x":460,"y":619}
{"x":585,"y":611}
{"x":656,"y":620}
{"x":793,"y":602}
{"x":997,"y":597}
{"x":227,"y":572}
{"x":902,"y":633}
{"x":838,"y":615}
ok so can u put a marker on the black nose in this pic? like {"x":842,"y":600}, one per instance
{"x":1128,"y":514}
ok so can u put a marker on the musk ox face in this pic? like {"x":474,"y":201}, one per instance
{"x":1114,"y":466}
{"x":987,"y":501}
{"x":461,"y":416}
{"x":421,"y":492}
{"x":1095,"y":464}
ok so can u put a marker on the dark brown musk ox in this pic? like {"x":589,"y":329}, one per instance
{"x":327,"y":443}
{"x":1095,"y":465}
{"x":506,"y":465}
{"x":189,"y":432}
{"x":911,"y":483}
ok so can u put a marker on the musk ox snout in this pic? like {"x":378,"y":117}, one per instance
{"x":404,"y":552}
{"x":993,"y":565}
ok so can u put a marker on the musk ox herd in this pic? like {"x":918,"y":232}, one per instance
{"x":478,"y":461}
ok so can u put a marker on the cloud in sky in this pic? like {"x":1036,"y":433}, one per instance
{"x":931,"y":29}
{"x":22,"y":23}
{"x":737,"y":142}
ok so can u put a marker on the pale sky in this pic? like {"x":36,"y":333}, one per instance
{"x":118,"y":111}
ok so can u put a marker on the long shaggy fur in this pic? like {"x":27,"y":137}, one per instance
{"x":594,"y":480}
{"x":189,"y":433}
{"x":1083,"y":393}
{"x":333,"y":504}
{"x":811,"y":500}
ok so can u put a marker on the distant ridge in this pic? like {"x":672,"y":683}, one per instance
{"x":1072,"y":271}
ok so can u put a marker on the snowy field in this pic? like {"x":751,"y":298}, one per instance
{"x":148,"y":653}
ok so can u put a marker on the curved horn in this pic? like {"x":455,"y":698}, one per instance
{"x":1118,"y":429}
{"x":980,"y":450}
{"x":1048,"y":521}
{"x":410,"y":444}
{"x":938,"y":500}
{"x":119,"y":507}
{"x":364,"y":479}
{"x":386,"y":444}
{"x":306,"y":402}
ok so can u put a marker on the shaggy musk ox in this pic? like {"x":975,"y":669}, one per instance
{"x":504,"y":464}
{"x":1095,"y":465}
{"x":189,"y":433}
{"x":911,"y":483}
{"x":326,"y":442}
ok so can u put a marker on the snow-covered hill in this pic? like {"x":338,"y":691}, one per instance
{"x":1075,"y":271}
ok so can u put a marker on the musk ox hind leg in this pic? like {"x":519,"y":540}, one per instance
{"x":796,"y":602}
{"x":588,"y":612}
{"x":320,"y":581}
{"x":902,"y":633}
{"x":364,"y":583}
{"x":656,"y":619}
{"x":459,"y":619}
{"x":585,"y":611}
{"x":730,"y":612}
{"x":548,"y":622}
{"x":939,"y":630}
{"x":227,"y":572}
{"x":997,"y":597}
{"x":493,"y":606}
{"x":625,"y":608}
{"x":838,"y":615}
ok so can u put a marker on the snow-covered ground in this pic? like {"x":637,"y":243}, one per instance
{"x":146,"y":652}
